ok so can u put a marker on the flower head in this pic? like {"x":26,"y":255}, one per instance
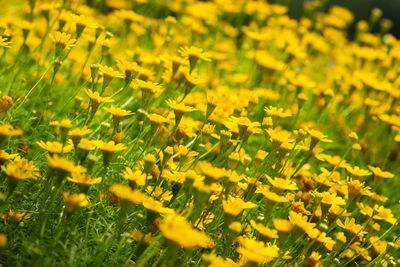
{"x":7,"y":130}
{"x":110,"y":146}
{"x":118,"y":112}
{"x":136,"y":177}
{"x":4,"y":42}
{"x":73,"y":201}
{"x":316,"y":137}
{"x":96,"y":98}
{"x":379,"y":173}
{"x":264,"y":231}
{"x":15,"y":216}
{"x":256,"y":251}
{"x":61,"y":165}
{"x":193,"y":54}
{"x":179,"y":109}
{"x":280,"y":184}
{"x":109,"y":74}
{"x":234,"y":206}
{"x":55,"y":147}
{"x":125,"y":193}
{"x":62,"y":41}
{"x":20,"y":169}
{"x":83,"y":179}
{"x":357,"y":172}
{"x":178,"y":230}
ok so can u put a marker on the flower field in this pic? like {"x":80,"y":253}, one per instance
{"x":197,"y":133}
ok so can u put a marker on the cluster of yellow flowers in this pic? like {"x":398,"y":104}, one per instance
{"x":221,"y":133}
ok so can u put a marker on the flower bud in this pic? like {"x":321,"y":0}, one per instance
{"x":149,"y":161}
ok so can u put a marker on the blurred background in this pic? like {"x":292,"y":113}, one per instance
{"x":360,"y":8}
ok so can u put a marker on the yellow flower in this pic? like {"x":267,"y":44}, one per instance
{"x":73,"y":201}
{"x":65,"y":123}
{"x":279,"y":137}
{"x":206,"y":132}
{"x":317,"y":136}
{"x":178,"y":230}
{"x":378,"y":173}
{"x":87,"y":144}
{"x":210,"y":172}
{"x":4,"y":156}
{"x":385,"y":215}
{"x":271,"y":196}
{"x":108,"y":149}
{"x":357,"y":172}
{"x":322,"y":238}
{"x":81,"y":23}
{"x":300,"y":222}
{"x":333,"y":160}
{"x":15,"y":216}
{"x":79,"y":132}
{"x":157,"y":192}
{"x":110,"y":72}
{"x":20,"y":169}
{"x":175,"y":177}
{"x":332,"y":199}
{"x":234,"y":206}
{"x":148,"y":89}
{"x":3,"y":241}
{"x":280,"y":184}
{"x":83,"y":179}
{"x":298,"y":207}
{"x":313,"y":260}
{"x":243,"y":124}
{"x":393,"y":120}
{"x":193,"y":54}
{"x":136,"y":177}
{"x":378,"y":244}
{"x":264,"y":231}
{"x":156,"y":119}
{"x":138,"y":236}
{"x":62,"y":165}
{"x":4,"y":42}
{"x":183,"y":152}
{"x":217,"y":261}
{"x":236,"y":227}
{"x":118,"y":112}
{"x":125,"y":193}
{"x":156,"y":206}
{"x":63,"y":40}
{"x":7,"y":130}
{"x":365,"y":209}
{"x":76,"y":134}
{"x":191,"y":81}
{"x":110,"y":146}
{"x":282,"y":225}
{"x":179,"y":109}
{"x":275,"y":112}
{"x":96,"y":98}
{"x":117,"y":115}
{"x":256,"y":251}
{"x":55,"y":147}
{"x":350,"y":227}
{"x":6,"y":102}
{"x":265,"y":60}
{"x":108,"y":75}
{"x":129,"y":16}
{"x":355,"y":188}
